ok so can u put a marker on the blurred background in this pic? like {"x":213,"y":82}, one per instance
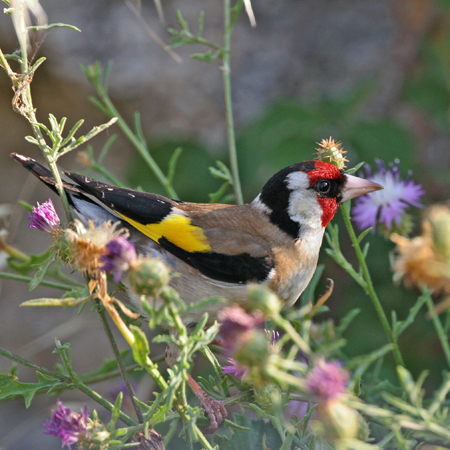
{"x":374,"y":75}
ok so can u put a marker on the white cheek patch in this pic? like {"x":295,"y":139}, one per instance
{"x":303,"y":206}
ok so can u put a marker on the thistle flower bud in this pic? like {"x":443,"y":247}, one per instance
{"x":263,"y":299}
{"x":336,"y":422}
{"x":331,"y":151}
{"x":147,"y":276}
{"x":63,"y":247}
{"x":439,"y":218}
{"x":253,"y":350}
{"x":154,"y":441}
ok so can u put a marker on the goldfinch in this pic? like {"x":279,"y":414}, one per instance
{"x":218,"y":249}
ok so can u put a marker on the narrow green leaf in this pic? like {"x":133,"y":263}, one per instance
{"x":183,"y":24}
{"x":208,"y":56}
{"x":32,"y":140}
{"x":99,"y":104}
{"x":402,"y":325}
{"x":201,"y":21}
{"x":363,"y":235}
{"x":203,"y":304}
{"x":53,"y":25}
{"x":106,"y":148}
{"x":115,"y":412}
{"x":72,"y":132}
{"x":356,"y":168}
{"x":82,"y":139}
{"x":140,"y":347}
{"x":66,"y":302}
{"x":39,"y":275}
{"x":172,"y":164}
{"x":347,"y":320}
{"x":215,"y":197}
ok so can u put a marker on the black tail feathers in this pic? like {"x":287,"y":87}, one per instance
{"x":43,"y":174}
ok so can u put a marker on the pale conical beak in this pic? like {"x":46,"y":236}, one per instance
{"x":354,"y":187}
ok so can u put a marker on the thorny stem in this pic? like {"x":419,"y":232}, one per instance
{"x":22,"y":83}
{"x":86,"y":389}
{"x":52,"y":284}
{"x":122,"y":368}
{"x":137,"y":143}
{"x":33,"y":366}
{"x":370,"y":290}
{"x":438,"y":326}
{"x":228,"y":27}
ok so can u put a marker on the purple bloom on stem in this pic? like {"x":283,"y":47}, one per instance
{"x":235,"y":369}
{"x":44,"y":217}
{"x":327,"y":380}
{"x":236,"y":323}
{"x":67,"y":424}
{"x":239,"y":372}
{"x":386,"y":206}
{"x":118,"y":256}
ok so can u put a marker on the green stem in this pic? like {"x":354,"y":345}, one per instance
{"x":86,"y":389}
{"x":13,"y":276}
{"x":137,"y":143}
{"x":228,"y":27}
{"x":122,"y":368}
{"x":33,"y":366}
{"x":108,"y":376}
{"x":345,"y":208}
{"x":106,"y":173}
{"x":29,"y":113}
{"x":290,"y":330}
{"x":438,"y":326}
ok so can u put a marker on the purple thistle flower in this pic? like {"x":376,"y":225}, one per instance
{"x":386,"y":206}
{"x":239,"y":372}
{"x":236,"y":323}
{"x":118,"y":256}
{"x":67,"y":424}
{"x":44,"y":217}
{"x":327,"y":380}
{"x":235,"y":369}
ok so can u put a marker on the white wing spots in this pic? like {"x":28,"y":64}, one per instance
{"x":303,"y":206}
{"x":131,"y":195}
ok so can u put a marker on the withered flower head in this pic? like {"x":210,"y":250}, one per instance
{"x":424,"y":260}
{"x":89,"y":244}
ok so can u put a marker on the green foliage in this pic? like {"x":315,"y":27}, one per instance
{"x":11,"y":387}
{"x":397,"y":409}
{"x":249,"y":433}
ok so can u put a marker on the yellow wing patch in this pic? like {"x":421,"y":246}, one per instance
{"x":176,"y":229}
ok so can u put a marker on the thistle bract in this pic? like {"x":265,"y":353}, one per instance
{"x":147,"y":276}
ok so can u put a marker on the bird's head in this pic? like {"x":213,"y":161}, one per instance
{"x":308,"y":194}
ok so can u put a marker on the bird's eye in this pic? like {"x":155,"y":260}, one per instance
{"x":323,"y":187}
